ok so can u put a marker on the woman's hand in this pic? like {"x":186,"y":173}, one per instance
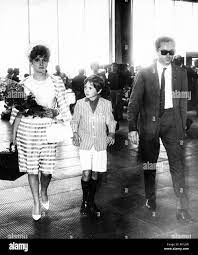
{"x":13,"y":142}
{"x":12,"y":147}
{"x":50,"y":113}
{"x":76,"y":139}
{"x":110,"y":139}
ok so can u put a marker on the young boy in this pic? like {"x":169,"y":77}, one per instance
{"x":92,"y":115}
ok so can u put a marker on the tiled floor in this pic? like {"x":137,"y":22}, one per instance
{"x":120,"y":195}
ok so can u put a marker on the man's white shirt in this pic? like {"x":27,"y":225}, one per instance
{"x":168,"y":84}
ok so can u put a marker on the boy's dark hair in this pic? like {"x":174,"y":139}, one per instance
{"x":39,"y":50}
{"x":161,"y":40}
{"x":96,"y":80}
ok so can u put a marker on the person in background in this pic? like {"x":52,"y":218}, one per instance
{"x":10,"y":73}
{"x":78,"y":84}
{"x":160,"y":114}
{"x":91,"y":116}
{"x":179,"y":61}
{"x":60,"y":74}
{"x":116,"y":92}
{"x":37,"y":156}
{"x":95,"y":67}
{"x":15,"y":76}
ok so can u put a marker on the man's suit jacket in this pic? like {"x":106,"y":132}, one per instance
{"x":144,"y":103}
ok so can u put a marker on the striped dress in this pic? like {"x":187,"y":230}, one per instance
{"x":35,"y":153}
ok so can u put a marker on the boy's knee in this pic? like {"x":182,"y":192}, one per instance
{"x":86,"y":175}
{"x":95,"y":175}
{"x":46,"y":175}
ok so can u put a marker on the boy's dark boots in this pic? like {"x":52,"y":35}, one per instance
{"x":93,"y":208}
{"x":84,"y":210}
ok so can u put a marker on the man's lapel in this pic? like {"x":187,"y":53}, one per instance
{"x":155,"y":78}
{"x":175,"y":83}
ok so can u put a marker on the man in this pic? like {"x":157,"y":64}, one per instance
{"x":62,"y":75}
{"x":15,"y":76}
{"x":157,"y":102}
{"x":10,"y":73}
{"x":114,"y":82}
{"x":78,"y":84}
{"x":179,"y":61}
{"x":95,"y":67}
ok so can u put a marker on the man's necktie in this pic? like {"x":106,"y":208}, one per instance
{"x":162,"y":93}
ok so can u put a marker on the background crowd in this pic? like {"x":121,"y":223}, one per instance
{"x":118,"y":79}
{"x":118,"y":82}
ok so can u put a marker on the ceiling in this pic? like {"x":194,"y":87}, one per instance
{"x":192,"y":1}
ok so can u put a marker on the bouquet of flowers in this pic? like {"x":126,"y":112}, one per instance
{"x":15,"y":96}
{"x":3,"y":85}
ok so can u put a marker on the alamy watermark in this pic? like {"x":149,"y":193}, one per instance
{"x":18,"y":246}
{"x":181,"y":236}
{"x":16,"y":94}
{"x":181,"y":94}
{"x":17,"y":236}
{"x":153,"y":166}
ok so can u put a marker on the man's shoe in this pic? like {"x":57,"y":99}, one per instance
{"x":94,"y":210}
{"x":183,"y":215}
{"x":147,"y":204}
{"x":150,"y":204}
{"x":84,"y":210}
{"x":152,"y":207}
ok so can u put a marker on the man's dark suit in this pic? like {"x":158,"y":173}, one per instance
{"x":143,"y":116}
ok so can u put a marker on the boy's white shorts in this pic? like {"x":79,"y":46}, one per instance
{"x":93,"y":160}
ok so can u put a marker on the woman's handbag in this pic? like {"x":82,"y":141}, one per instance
{"x":9,"y":168}
{"x":59,"y":132}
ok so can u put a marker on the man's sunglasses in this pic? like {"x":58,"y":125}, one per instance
{"x":165,"y":52}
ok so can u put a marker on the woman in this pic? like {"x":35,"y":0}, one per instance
{"x":36,"y":155}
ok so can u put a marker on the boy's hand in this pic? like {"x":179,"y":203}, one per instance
{"x":76,"y":139}
{"x":133,"y":137}
{"x":110,"y":139}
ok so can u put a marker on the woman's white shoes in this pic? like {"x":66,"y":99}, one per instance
{"x":45,"y":205}
{"x":36,"y":216}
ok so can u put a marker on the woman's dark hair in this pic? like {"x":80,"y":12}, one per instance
{"x":39,"y":50}
{"x":96,"y":80}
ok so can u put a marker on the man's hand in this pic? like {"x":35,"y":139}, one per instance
{"x":76,"y":139}
{"x":133,"y":137}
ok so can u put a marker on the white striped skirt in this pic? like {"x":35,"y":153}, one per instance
{"x":34,"y":152}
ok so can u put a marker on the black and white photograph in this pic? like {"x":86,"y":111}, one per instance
{"x":99,"y":124}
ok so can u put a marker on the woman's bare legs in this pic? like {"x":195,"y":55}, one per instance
{"x":34,"y":186}
{"x":45,"y":181}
